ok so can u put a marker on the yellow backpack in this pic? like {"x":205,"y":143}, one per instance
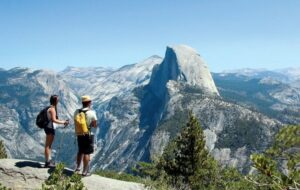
{"x":81,"y":126}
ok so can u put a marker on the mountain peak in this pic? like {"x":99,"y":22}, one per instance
{"x":183,"y":64}
{"x":182,"y":49}
{"x":155,"y":57}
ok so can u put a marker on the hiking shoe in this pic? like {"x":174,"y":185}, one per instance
{"x":49,"y":164}
{"x":86,"y":174}
{"x":77,"y":170}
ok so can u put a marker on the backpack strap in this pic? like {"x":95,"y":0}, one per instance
{"x":48,"y":118}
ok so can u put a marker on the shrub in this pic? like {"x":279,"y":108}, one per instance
{"x":59,"y":181}
{"x":3,"y":188}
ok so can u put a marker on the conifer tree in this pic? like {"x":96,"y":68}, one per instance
{"x":2,"y":155}
{"x":2,"y":151}
{"x":186,"y":164}
{"x":283,"y":155}
{"x":187,"y":160}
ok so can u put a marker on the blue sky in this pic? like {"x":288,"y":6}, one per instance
{"x":229,"y":34}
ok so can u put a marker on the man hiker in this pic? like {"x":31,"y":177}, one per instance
{"x":84,"y":119}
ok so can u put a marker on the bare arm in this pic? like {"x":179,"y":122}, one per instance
{"x":53,"y":117}
{"x":94,"y":123}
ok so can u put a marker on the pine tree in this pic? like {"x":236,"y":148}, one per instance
{"x":286,"y":149}
{"x":186,"y":164}
{"x":2,"y":151}
{"x":187,"y":160}
{"x":2,"y":155}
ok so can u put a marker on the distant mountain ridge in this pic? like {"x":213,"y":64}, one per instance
{"x":103,"y":84}
{"x":286,"y":75}
{"x":274,"y":93}
{"x":142,"y":106}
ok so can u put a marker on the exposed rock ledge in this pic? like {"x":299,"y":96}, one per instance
{"x":26,"y":174}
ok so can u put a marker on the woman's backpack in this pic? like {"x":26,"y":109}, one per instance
{"x":42,"y":119}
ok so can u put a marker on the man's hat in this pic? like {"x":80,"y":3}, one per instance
{"x":86,"y":99}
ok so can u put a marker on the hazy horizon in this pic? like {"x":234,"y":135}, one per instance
{"x":229,"y":35}
{"x":116,"y":68}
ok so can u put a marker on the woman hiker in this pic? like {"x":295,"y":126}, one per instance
{"x":50,"y":129}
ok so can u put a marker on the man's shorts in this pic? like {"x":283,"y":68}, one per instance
{"x":49,"y":131}
{"x":85,"y":144}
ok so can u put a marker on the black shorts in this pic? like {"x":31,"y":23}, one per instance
{"x":49,"y":131}
{"x":85,"y":144}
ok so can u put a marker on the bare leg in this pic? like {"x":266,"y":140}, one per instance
{"x":86,"y":160}
{"x":79,"y":159}
{"x":48,"y":144}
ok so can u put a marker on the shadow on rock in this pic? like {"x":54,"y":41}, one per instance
{"x":32,"y":164}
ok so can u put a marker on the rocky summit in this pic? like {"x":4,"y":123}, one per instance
{"x":27,"y":174}
{"x":182,"y":64}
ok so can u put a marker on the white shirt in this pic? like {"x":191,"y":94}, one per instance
{"x":51,"y":124}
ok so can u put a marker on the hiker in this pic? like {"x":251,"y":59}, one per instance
{"x":84,"y":119}
{"x":50,"y":129}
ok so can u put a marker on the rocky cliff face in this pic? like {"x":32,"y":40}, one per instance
{"x":139,"y":125}
{"x":233,"y":132}
{"x":130,"y":120}
{"x":139,"y":110}
{"x":24,"y":93}
{"x":182,"y":64}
